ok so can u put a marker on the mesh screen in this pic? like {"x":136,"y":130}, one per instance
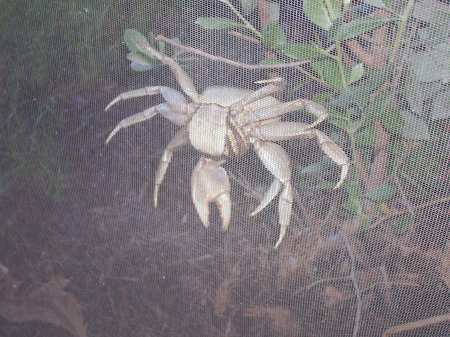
{"x":257,"y":105}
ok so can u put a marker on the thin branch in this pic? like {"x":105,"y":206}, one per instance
{"x":401,"y":29}
{"x":319,"y":282}
{"x":378,"y":167}
{"x":395,"y":176}
{"x":244,"y":37}
{"x":237,"y":64}
{"x":417,"y":324}
{"x":407,"y":210}
{"x":355,"y":285}
{"x":228,"y":61}
{"x":241,"y":17}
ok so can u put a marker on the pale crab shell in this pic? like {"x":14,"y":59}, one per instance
{"x":209,"y":125}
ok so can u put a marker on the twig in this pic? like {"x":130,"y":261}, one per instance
{"x":379,"y":165}
{"x":228,"y":61}
{"x":237,"y":64}
{"x":340,"y":63}
{"x":244,"y":37}
{"x":401,"y":30}
{"x":396,"y":178}
{"x":241,"y":17}
{"x":407,"y":210}
{"x":318,"y":282}
{"x":417,"y":324}
{"x":355,"y":285}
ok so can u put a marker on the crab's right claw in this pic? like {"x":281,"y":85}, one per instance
{"x":210,"y":183}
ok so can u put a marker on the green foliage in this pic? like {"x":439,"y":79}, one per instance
{"x":217,"y":23}
{"x":323,"y":12}
{"x":303,"y":51}
{"x":273,"y":36}
{"x":355,"y":28}
{"x":385,"y":192}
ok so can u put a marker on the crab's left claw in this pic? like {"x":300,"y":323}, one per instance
{"x":210,"y":183}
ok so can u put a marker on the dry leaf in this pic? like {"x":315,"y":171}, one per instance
{"x":46,"y":303}
{"x":222,"y":300}
{"x":333,"y":295}
{"x":282,"y":320}
{"x":224,"y":293}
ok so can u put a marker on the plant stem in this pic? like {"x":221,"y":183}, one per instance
{"x":241,"y":17}
{"x":407,"y":210}
{"x":401,"y":29}
{"x":341,"y":64}
{"x":233,"y":63}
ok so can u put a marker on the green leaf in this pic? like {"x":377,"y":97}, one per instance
{"x":135,"y":41}
{"x":141,"y":62}
{"x":353,"y":203}
{"x":432,"y":65}
{"x":392,"y":119}
{"x":353,"y":95}
{"x":328,"y":71}
{"x":413,"y":127}
{"x":301,"y":51}
{"x":356,"y":73}
{"x":381,"y":193}
{"x":440,"y":107}
{"x":248,"y":6}
{"x":354,"y":28}
{"x":217,"y":23}
{"x":334,"y":8}
{"x":316,"y":11}
{"x":365,"y":136}
{"x":273,"y":36}
{"x":419,"y":94}
{"x":274,"y":11}
{"x":390,"y":116}
{"x":139,"y":58}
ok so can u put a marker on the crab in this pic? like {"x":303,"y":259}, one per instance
{"x":222,"y":122}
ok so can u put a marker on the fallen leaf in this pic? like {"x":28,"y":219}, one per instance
{"x":47,"y":303}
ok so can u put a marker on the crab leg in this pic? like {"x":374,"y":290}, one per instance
{"x":165,"y":111}
{"x":255,"y":96}
{"x":182,"y":77}
{"x":277,"y":161}
{"x":175,"y":99}
{"x":210,"y":183}
{"x":258,"y":114}
{"x":181,"y":138}
{"x":271,"y":193}
{"x":290,"y":130}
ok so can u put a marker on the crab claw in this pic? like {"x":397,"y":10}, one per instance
{"x":210,"y":183}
